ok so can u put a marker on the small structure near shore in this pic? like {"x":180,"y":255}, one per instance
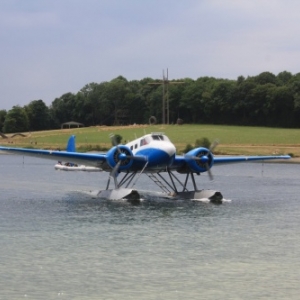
{"x":71,"y":124}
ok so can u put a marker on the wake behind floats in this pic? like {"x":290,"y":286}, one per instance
{"x":153,"y":155}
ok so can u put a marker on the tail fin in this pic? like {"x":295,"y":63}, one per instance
{"x":71,"y":146}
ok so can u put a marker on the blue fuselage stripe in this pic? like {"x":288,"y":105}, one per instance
{"x":155,"y":157}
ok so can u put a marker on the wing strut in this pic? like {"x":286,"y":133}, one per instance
{"x":194,"y":182}
{"x":128,"y":177}
{"x":161,"y":181}
{"x":172,"y":175}
{"x":146,"y":164}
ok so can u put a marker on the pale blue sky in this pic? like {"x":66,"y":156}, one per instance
{"x":50,"y":47}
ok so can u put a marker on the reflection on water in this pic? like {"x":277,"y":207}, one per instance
{"x":58,"y":243}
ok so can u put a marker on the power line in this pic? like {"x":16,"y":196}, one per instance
{"x":165,"y":97}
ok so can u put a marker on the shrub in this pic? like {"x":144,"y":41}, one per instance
{"x":188,"y":148}
{"x":203,"y":142}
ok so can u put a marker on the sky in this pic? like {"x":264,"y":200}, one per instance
{"x":52,"y":47}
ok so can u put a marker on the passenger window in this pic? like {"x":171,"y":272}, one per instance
{"x":135,"y":146}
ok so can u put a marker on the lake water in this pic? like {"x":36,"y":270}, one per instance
{"x":58,"y":243}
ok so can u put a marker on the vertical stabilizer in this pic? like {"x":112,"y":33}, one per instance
{"x":71,"y":147}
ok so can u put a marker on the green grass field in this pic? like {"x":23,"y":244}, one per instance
{"x":233,"y":139}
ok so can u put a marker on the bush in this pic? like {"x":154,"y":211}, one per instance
{"x":203,"y":142}
{"x":87,"y":148}
{"x":188,"y":148}
{"x":115,"y":139}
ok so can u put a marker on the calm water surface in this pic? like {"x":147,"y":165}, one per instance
{"x":58,"y":243}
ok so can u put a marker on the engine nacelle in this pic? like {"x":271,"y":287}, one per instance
{"x":120,"y":153}
{"x":199,"y":160}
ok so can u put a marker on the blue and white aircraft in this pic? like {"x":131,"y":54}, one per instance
{"x":154,"y":155}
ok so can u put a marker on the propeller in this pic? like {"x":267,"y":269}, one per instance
{"x":214,"y":145}
{"x":113,"y":139}
{"x":122,"y":155}
{"x":204,"y":159}
{"x":121,"y":158}
{"x":113,"y":175}
{"x":210,"y":175}
{"x":211,"y":148}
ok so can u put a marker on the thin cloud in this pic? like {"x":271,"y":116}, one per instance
{"x":53,"y":47}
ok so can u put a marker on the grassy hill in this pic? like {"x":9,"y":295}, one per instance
{"x":233,"y":139}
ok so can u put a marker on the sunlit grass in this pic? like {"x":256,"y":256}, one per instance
{"x":233,"y":139}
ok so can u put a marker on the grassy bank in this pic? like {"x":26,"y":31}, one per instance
{"x":233,"y":139}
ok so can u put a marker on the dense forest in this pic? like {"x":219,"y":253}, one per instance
{"x":262,"y":100}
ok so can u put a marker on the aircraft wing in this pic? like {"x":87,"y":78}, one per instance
{"x":89,"y":159}
{"x":201,"y":160}
{"x":236,"y":159}
{"x":180,"y":159}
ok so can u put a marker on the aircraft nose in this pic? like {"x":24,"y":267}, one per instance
{"x":170,"y":149}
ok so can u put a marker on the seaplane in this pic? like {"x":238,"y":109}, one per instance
{"x":153,"y":155}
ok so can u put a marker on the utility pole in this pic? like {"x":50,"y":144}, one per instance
{"x":165,"y":96}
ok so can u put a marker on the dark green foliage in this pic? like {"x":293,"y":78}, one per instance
{"x":3,"y":114}
{"x":203,"y":142}
{"x":262,"y":100}
{"x":16,"y":120}
{"x":87,"y":148}
{"x":118,"y":139}
{"x":188,"y":148}
{"x":38,"y":115}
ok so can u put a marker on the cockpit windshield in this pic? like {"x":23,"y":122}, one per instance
{"x":159,"y":137}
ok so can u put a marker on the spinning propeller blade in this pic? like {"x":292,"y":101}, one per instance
{"x":115,"y":143}
{"x":211,"y":148}
{"x":115,"y":169}
{"x":213,"y":145}
{"x":210,"y":175}
{"x":113,"y":139}
{"x":204,"y":159}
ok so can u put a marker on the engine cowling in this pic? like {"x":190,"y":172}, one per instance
{"x":120,"y":153}
{"x":199,"y":160}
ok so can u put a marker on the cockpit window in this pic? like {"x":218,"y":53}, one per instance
{"x":143,"y":142}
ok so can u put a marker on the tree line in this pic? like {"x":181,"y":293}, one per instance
{"x":262,"y":100}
